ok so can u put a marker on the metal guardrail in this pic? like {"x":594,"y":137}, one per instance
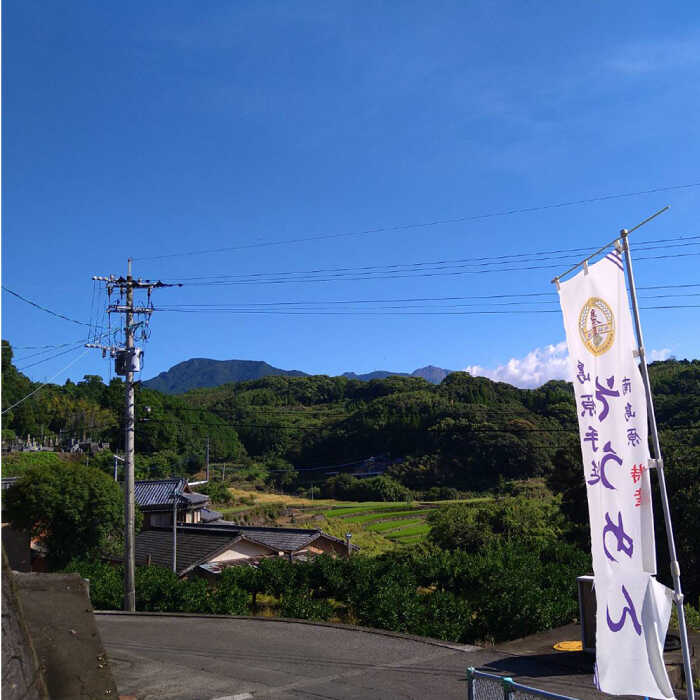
{"x":489,"y":686}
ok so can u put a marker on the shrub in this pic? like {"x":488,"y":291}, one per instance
{"x":444,"y":616}
{"x":106,"y":582}
{"x":327,"y":576}
{"x":229,"y":598}
{"x":391,"y":606}
{"x":218,"y":492}
{"x":158,"y":590}
{"x":278,"y":575}
{"x":300,"y":604}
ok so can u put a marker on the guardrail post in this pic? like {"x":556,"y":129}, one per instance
{"x":508,"y":687}
{"x":470,"y":683}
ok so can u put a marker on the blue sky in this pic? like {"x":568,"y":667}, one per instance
{"x":151,"y":129}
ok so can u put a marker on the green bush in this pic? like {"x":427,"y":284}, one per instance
{"x":509,"y":589}
{"x":278,"y":575}
{"x":327,"y":576}
{"x":229,"y":598}
{"x":471,"y":526}
{"x":301,"y":605}
{"x":218,"y":492}
{"x":376,"y":488}
{"x":444,"y":616}
{"x":391,"y":606}
{"x":106,"y":582}
{"x":158,"y":589}
{"x":517,"y":590}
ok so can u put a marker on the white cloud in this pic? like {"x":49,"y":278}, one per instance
{"x":663,"y":354}
{"x":537,"y":367}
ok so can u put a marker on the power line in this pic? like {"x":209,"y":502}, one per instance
{"x":7,"y":343}
{"x":372,"y":312}
{"x":322,"y":305}
{"x":41,"y":386}
{"x":52,"y":357}
{"x":399,"y":274}
{"x":43,"y":308}
{"x":513,"y":258}
{"x":437,"y":222}
{"x":315,"y":302}
{"x":73,"y":346}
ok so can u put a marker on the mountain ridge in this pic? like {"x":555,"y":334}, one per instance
{"x":201,"y":373}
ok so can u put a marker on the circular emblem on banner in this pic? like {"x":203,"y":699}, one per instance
{"x":596,"y":324}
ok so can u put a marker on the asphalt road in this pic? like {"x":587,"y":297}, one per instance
{"x":210,"y":658}
{"x":193,"y":658}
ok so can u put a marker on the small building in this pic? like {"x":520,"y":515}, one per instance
{"x":159,"y":498}
{"x":208,"y":549}
{"x":290,"y":541}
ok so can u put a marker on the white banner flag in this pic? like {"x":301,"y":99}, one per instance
{"x":632,"y":614}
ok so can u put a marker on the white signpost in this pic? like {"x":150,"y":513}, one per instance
{"x":613,"y":402}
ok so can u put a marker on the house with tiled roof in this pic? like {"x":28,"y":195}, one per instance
{"x":208,"y":549}
{"x":158,"y":499}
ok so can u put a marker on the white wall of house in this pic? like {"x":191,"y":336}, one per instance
{"x":242,"y":550}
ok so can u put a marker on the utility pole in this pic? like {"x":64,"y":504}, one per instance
{"x":207,"y":458}
{"x":175,"y":495}
{"x":129,"y":544}
{"x":127,"y":362}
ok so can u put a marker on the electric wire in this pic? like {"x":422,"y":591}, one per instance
{"x":386,"y":275}
{"x":513,"y":258}
{"x":73,"y":346}
{"x":48,"y":381}
{"x":321,"y":305}
{"x":43,"y":308}
{"x":372,"y":312}
{"x":436,"y":222}
{"x":550,"y":295}
{"x":39,"y":347}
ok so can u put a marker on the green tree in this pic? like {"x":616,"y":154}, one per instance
{"x":470,"y":527}
{"x":77,"y":510}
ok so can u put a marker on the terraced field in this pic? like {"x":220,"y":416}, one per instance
{"x":375,"y":526}
{"x":400,"y":524}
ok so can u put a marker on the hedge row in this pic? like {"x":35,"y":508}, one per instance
{"x":505,"y":591}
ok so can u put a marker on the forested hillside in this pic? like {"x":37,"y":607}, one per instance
{"x":467,"y":432}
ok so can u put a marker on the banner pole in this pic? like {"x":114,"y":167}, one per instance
{"x":675,"y":568}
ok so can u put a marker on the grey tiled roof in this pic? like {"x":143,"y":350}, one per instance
{"x":283,"y":539}
{"x":193,"y":547}
{"x":209,"y":516}
{"x":157,"y":494}
{"x":195,"y":499}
